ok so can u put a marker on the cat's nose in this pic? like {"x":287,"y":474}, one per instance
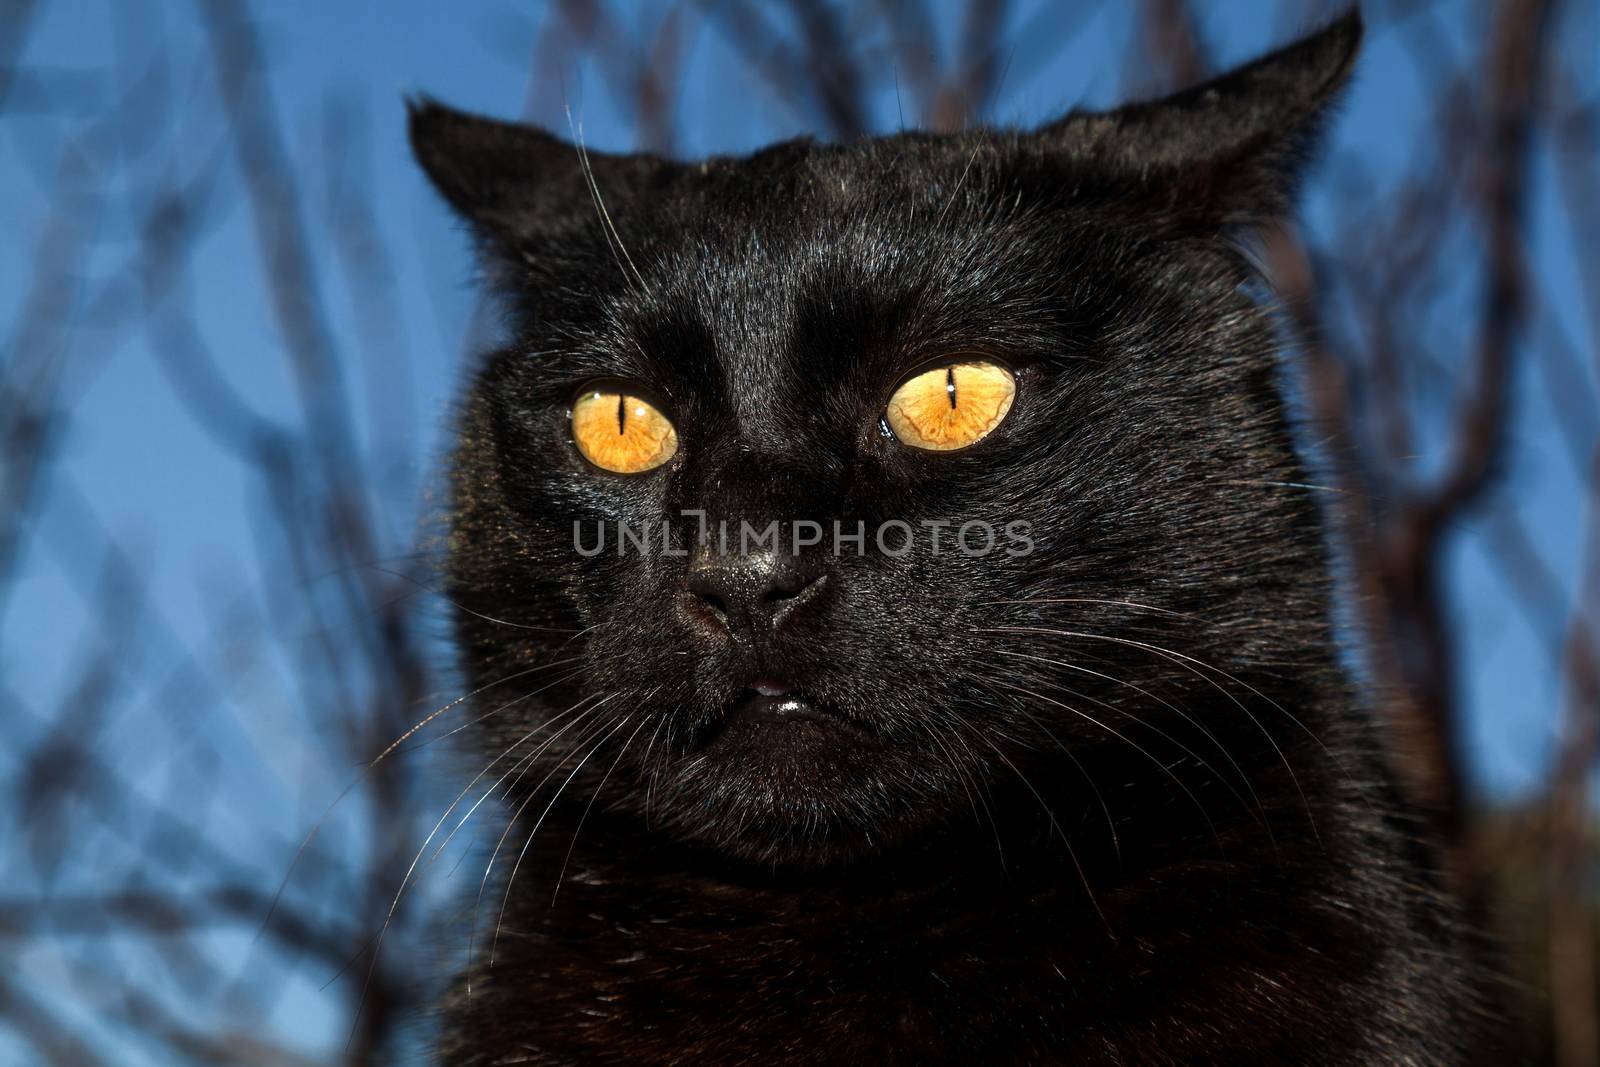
{"x":753,"y":594}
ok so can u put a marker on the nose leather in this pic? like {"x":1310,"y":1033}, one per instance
{"x":752,"y":594}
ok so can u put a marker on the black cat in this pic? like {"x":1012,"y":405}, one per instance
{"x":1037,"y":748}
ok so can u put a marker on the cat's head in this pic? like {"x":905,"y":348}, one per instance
{"x":1020,"y":370}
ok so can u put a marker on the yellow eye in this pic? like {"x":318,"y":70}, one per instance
{"x":952,"y":406}
{"x":620,"y":431}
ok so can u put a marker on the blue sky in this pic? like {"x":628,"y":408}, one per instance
{"x":182,"y":508}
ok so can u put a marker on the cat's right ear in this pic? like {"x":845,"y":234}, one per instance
{"x":515,"y":183}
{"x":1230,"y":151}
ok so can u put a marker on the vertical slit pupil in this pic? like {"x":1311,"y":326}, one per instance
{"x":950,"y":385}
{"x":622,"y":413}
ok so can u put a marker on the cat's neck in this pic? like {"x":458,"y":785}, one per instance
{"x":1003,"y":924}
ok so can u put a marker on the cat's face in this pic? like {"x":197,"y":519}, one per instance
{"x":700,"y":351}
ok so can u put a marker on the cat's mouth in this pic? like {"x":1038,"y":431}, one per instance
{"x":756,"y":706}
{"x":770,"y":703}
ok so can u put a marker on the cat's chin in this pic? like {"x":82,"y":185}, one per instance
{"x":783,"y":781}
{"x":789,"y":753}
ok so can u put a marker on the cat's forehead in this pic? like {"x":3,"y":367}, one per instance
{"x":808,"y":280}
{"x":834,"y":286}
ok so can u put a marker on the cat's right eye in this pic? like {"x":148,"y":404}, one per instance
{"x":619,"y":431}
{"x":952,"y":406}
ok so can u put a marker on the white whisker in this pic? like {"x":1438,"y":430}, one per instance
{"x":370,"y":766}
{"x":609,"y":227}
{"x":1191,"y":664}
{"x":596,"y":795}
{"x":1185,"y":716}
{"x":494,"y":945}
{"x":1056,"y":826}
{"x":588,"y":714}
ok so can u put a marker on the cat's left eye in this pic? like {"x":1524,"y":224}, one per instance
{"x":620,"y":431}
{"x":951,"y":406}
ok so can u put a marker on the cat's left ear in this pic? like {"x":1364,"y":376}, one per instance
{"x":1228,"y":152}
{"x":519,"y":187}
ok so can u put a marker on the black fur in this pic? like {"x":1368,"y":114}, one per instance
{"x":1111,"y":802}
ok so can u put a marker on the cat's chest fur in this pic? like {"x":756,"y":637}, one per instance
{"x":1247,"y":955}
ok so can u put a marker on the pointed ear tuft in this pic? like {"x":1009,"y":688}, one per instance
{"x":488,"y":170}
{"x":1230,"y":151}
